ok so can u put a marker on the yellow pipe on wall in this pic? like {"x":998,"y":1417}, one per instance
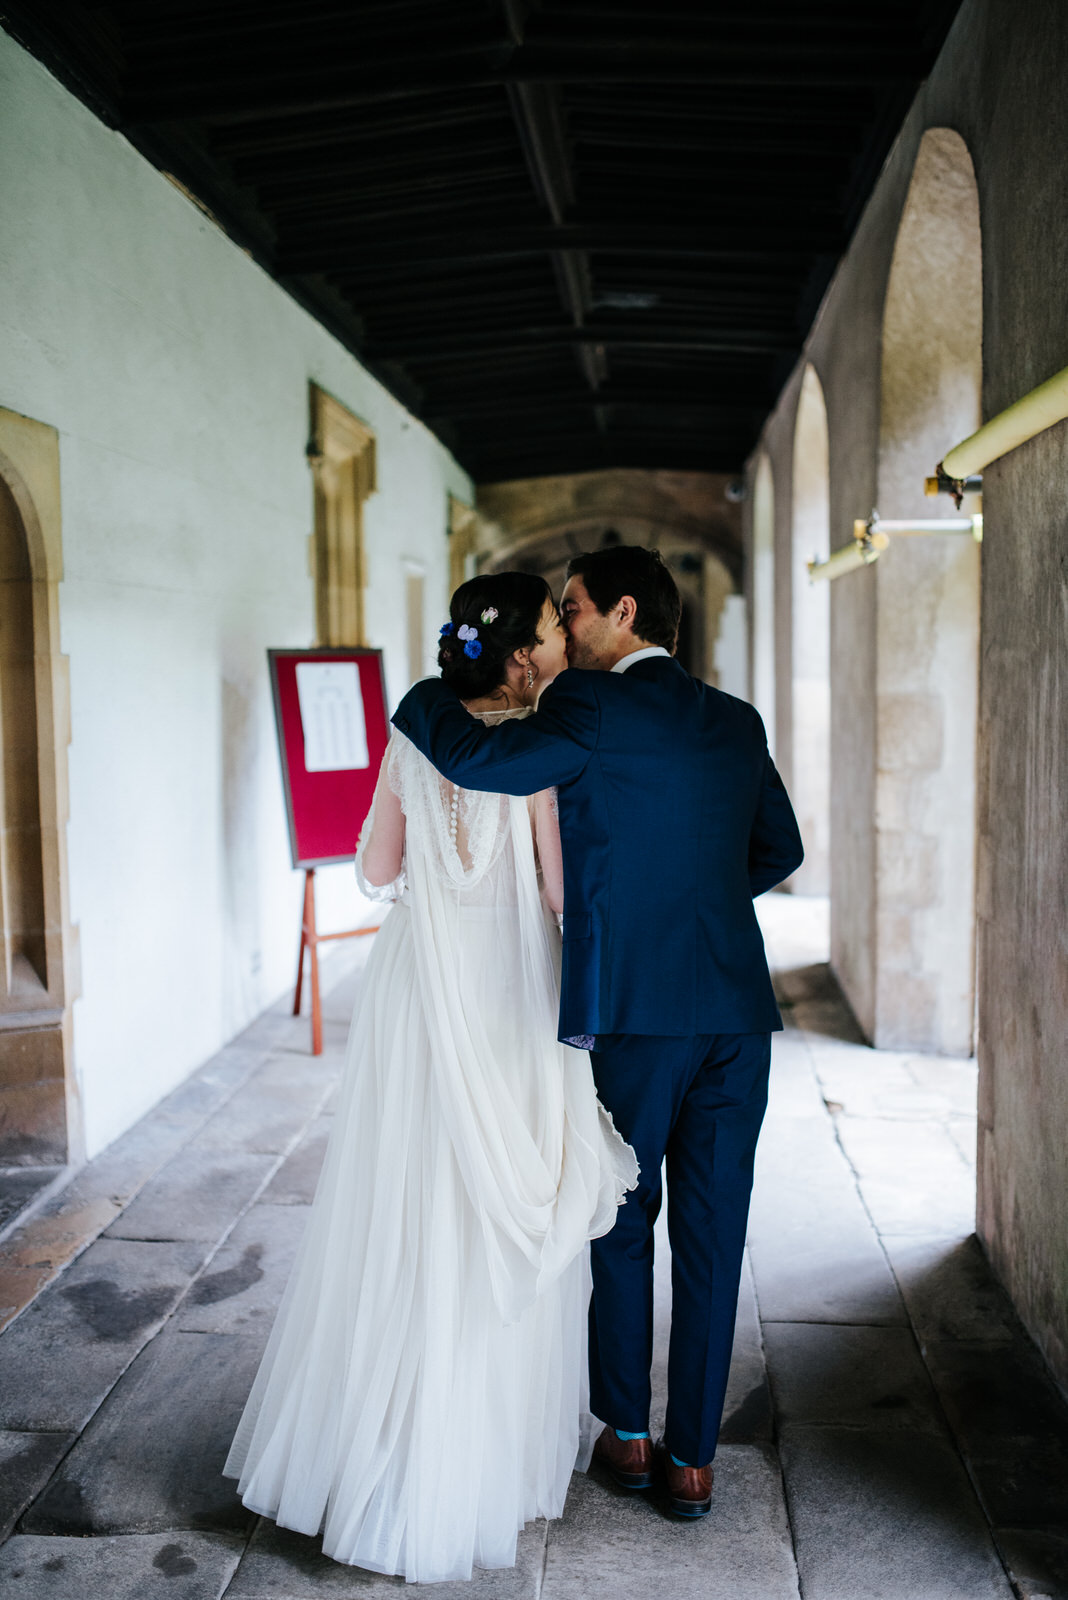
{"x":866,"y":548}
{"x":1019,"y":422}
{"x":915,"y":525}
{"x":871,"y":538}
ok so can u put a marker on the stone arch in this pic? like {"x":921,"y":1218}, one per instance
{"x":927,"y":642}
{"x":810,"y":687}
{"x":706,"y":582}
{"x":538,"y":524}
{"x":762,"y":629}
{"x":40,"y":1122}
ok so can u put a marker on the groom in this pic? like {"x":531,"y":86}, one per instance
{"x":672,"y":817}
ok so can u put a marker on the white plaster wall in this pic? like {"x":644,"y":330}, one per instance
{"x":176,"y":373}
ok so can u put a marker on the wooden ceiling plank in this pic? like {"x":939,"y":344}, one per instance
{"x":727,"y":340}
{"x":381,"y":78}
{"x":358,"y":247}
{"x":490,"y":202}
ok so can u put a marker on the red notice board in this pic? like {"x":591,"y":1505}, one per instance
{"x":326,"y":808}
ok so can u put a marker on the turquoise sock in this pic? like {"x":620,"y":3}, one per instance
{"x":679,"y":1463}
{"x":625,"y":1436}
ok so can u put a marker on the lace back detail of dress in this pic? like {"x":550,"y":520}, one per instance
{"x":459,"y":834}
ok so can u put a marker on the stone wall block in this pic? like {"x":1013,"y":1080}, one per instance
{"x":908,"y":871}
{"x":907,"y":1012}
{"x":33,"y":1124}
{"x":896,"y":946}
{"x":30,"y":1055}
{"x":895,"y":801}
{"x":910,"y":732}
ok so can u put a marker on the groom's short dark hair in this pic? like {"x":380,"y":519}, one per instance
{"x":621,"y":569}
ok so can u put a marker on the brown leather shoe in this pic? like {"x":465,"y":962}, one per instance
{"x":689,"y":1488}
{"x":630,"y":1461}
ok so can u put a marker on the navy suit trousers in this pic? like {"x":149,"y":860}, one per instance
{"x":697,"y":1104}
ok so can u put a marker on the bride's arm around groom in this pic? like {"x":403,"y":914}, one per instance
{"x":555,"y":747}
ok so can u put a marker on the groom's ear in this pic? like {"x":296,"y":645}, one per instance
{"x":625,"y":610}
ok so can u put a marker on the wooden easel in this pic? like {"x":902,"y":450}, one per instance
{"x":310,"y":940}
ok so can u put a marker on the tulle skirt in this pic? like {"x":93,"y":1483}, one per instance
{"x":398,"y":1410}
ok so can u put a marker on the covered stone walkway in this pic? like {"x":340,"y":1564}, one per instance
{"x":890,"y":1431}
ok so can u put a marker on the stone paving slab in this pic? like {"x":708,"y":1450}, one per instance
{"x":242,"y":1285}
{"x":950,"y":1290}
{"x":615,"y":1546}
{"x":287,"y":1566}
{"x":40,"y":1250}
{"x":964,"y":1133}
{"x":170,"y":1566}
{"x":125,"y":1166}
{"x":264,"y":1115}
{"x":886,"y":1516}
{"x":286,"y":1070}
{"x":793,"y":1090}
{"x":869,"y":1378}
{"x":815,"y":1254}
{"x":1011,"y":1424}
{"x":195,"y":1197}
{"x":910,"y":1174}
{"x":885,"y":1083}
{"x":67,"y":1350}
{"x":152,"y":1457}
{"x":955,"y":1079}
{"x":20,"y":1187}
{"x":828,"y":1018}
{"x":295,"y":1182}
{"x":1037,"y":1562}
{"x":27,"y":1461}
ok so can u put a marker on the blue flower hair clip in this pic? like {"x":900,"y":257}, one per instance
{"x":472,"y":648}
{"x":447,"y":628}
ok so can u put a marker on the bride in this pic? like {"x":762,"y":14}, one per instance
{"x":421,"y":1394}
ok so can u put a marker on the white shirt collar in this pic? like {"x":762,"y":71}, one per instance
{"x":639,"y":655}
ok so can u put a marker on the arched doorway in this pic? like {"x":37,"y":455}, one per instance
{"x":40,"y":1124}
{"x":763,"y":593}
{"x":810,"y":639}
{"x":539,"y":524}
{"x":928,"y":618}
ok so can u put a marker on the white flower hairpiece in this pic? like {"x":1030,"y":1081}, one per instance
{"x":490,"y":614}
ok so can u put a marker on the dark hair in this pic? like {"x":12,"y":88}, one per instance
{"x":622,"y":569}
{"x":518,"y":599}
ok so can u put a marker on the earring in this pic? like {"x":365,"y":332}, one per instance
{"x":530,"y":677}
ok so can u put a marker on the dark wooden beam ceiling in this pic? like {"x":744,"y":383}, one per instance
{"x":568,"y":233}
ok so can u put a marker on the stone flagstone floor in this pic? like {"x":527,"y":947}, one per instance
{"x":890,"y":1431}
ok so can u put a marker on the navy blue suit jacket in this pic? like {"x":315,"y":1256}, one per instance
{"x":672,"y":817}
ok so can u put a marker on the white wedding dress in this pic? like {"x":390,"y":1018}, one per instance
{"x":421,"y":1394}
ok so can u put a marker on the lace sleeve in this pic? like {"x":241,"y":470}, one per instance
{"x":547,"y":839}
{"x":380,"y":852}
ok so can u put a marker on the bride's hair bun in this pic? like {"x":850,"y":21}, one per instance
{"x":513,"y":602}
